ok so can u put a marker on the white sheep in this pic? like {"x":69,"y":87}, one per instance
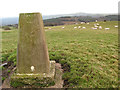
{"x":84,"y":27}
{"x":82,"y":22}
{"x":87,"y":23}
{"x":98,"y":24}
{"x":95,"y":20}
{"x":95,"y":25}
{"x":100,"y":27}
{"x":94,"y":28}
{"x":75,"y":27}
{"x":49,"y":28}
{"x":107,"y":28}
{"x":63,"y":27}
{"x":79,"y":27}
{"x":116,"y":26}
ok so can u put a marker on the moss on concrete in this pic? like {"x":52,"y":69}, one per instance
{"x":34,"y":80}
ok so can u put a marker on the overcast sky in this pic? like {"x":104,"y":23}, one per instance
{"x":12,"y":8}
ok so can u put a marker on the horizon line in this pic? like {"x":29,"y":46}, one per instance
{"x":64,"y":14}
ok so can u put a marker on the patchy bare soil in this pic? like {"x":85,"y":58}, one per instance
{"x":58,"y":76}
{"x":6,"y":69}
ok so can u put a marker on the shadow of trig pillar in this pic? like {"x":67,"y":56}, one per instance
{"x":32,"y":50}
{"x":33,"y":65}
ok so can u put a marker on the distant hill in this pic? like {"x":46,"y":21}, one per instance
{"x":76,"y":19}
{"x":109,"y":18}
{"x":60,"y":18}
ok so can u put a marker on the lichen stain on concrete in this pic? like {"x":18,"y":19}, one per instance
{"x":32,"y":68}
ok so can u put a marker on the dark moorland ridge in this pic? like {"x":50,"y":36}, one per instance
{"x":75,"y":19}
{"x":51,"y":20}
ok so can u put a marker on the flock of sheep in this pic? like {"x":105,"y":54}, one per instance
{"x":95,"y":26}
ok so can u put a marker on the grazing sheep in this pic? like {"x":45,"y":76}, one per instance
{"x":95,"y":20}
{"x":100,"y":27}
{"x":63,"y":27}
{"x":95,"y":25}
{"x":94,"y":28}
{"x":116,"y":26}
{"x":49,"y":28}
{"x":107,"y":28}
{"x":98,"y":24}
{"x":82,"y":22}
{"x":87,"y":23}
{"x":79,"y":27}
{"x":84,"y":27}
{"x":75,"y":27}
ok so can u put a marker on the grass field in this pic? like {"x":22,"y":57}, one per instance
{"x":89,"y":57}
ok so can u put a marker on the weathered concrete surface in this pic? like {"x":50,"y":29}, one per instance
{"x":33,"y":66}
{"x":58,"y":76}
{"x":34,"y":80}
{"x":32,"y":50}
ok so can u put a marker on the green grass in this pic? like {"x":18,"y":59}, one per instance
{"x":3,"y":78}
{"x":90,"y":57}
{"x":9,"y":40}
{"x":9,"y":71}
